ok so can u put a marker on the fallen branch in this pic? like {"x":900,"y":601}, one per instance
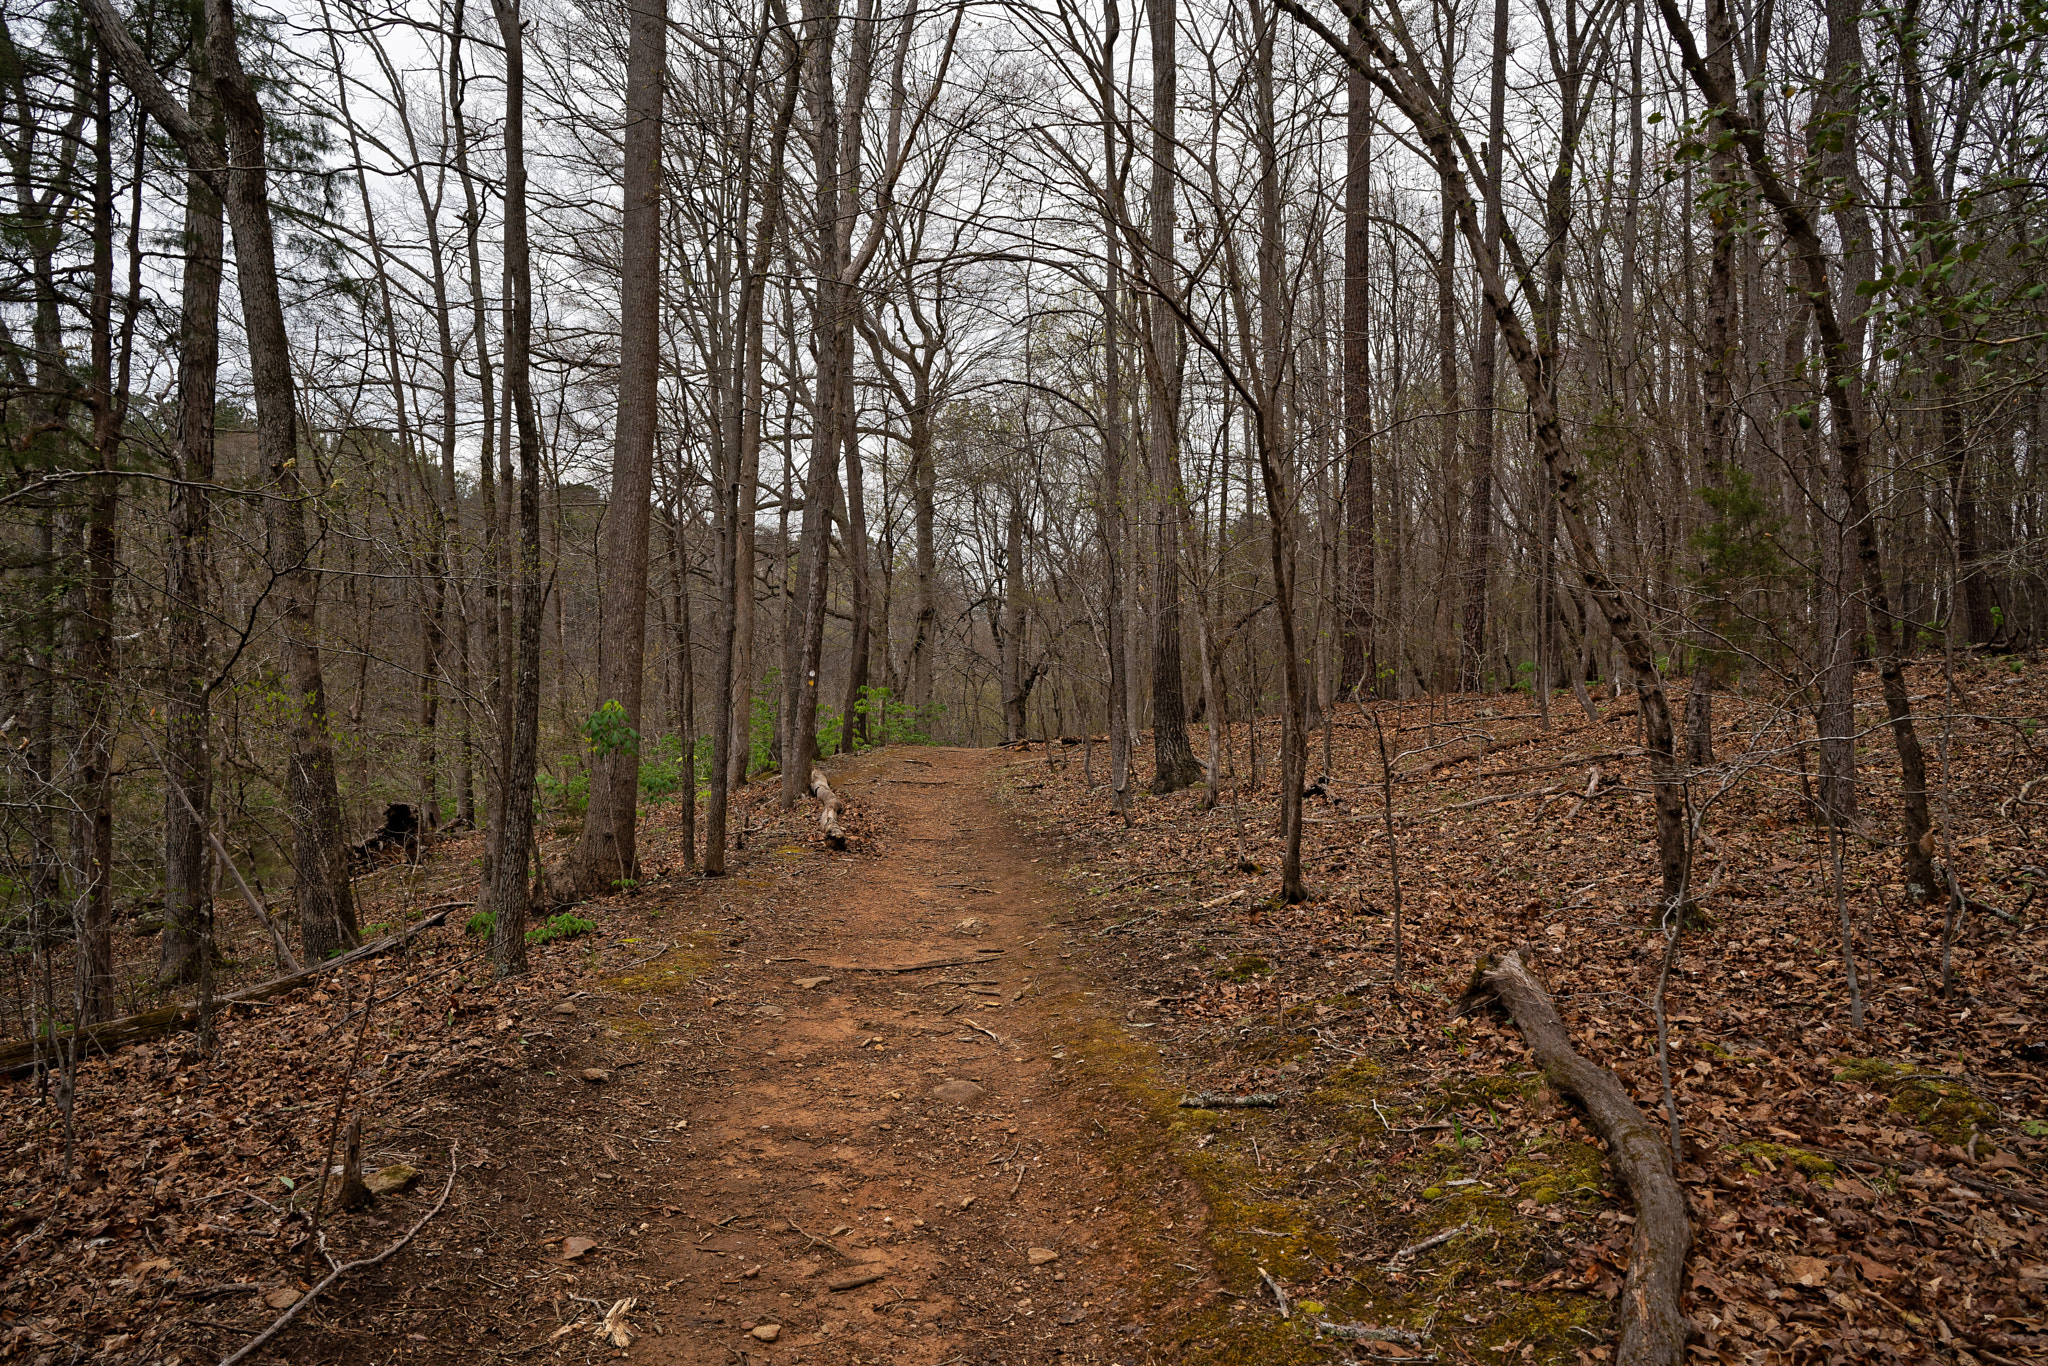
{"x":1417,"y":1249}
{"x":1652,"y":1328}
{"x":830,"y":805}
{"x":1279,"y":1295}
{"x":1359,"y":1332}
{"x":343,"y":1268}
{"x":155,"y":1024}
{"x":1211,"y":1100}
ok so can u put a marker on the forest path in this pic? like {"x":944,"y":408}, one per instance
{"x":909,"y":1129}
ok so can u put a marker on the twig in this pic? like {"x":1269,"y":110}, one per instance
{"x":991,"y":1033}
{"x":343,"y":1268}
{"x":1279,"y":1295}
{"x":1359,"y":1332}
{"x":828,"y":1245}
{"x":1436,"y":1240}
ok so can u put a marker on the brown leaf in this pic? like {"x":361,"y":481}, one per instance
{"x":572,"y":1248}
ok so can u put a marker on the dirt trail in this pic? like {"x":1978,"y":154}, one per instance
{"x":764,"y":1137}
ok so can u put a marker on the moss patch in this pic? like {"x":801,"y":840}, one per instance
{"x":672,"y":970}
{"x":1941,"y":1105}
{"x":1781,"y":1155}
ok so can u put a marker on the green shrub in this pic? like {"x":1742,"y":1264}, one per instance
{"x":480,"y":925}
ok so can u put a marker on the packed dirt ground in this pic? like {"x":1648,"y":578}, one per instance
{"x":973,"y":1089}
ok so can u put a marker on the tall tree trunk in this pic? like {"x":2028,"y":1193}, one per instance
{"x":1276,"y":453}
{"x":924,"y":490}
{"x":686,"y":683}
{"x":492,"y":575}
{"x":1110,"y":505}
{"x":1360,"y":666}
{"x":1174,"y":765}
{"x":1479,"y":514}
{"x":858,"y":599}
{"x":188,"y":763}
{"x":1975,"y":588}
{"x":606,"y":854}
{"x":92,"y":624}
{"x":1016,"y":691}
{"x":833,"y":327}
{"x":740,"y":481}
{"x":327,"y":921}
{"x":519,"y":709}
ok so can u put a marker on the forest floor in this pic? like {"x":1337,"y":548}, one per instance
{"x":945,"y":1070}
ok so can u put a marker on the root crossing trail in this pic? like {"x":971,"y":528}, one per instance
{"x":791,"y":1144}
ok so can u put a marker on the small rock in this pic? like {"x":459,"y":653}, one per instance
{"x":284,"y":1297}
{"x":566,"y":1008}
{"x":596,"y":1076}
{"x":957,"y":1092}
{"x":770,"y":1012}
{"x":1041,"y":1255}
{"x":971,"y":926}
{"x":778,"y":1225}
{"x":391,"y":1180}
{"x":767,"y":1332}
{"x":812,"y":983}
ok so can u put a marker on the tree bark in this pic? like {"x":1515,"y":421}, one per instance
{"x":606,"y":853}
{"x":832,"y":324}
{"x":519,"y":704}
{"x":1360,"y":666}
{"x":1174,"y":764}
{"x":1479,"y":514}
{"x":188,"y":775}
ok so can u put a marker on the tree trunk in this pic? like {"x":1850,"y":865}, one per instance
{"x":1016,"y":690}
{"x":188,"y":764}
{"x":326,"y":908}
{"x":833,"y":326}
{"x":327,"y":918}
{"x":1174,"y":764}
{"x":519,"y":706}
{"x":492,"y":652}
{"x":859,"y":599}
{"x":606,"y":854}
{"x":1360,"y":668}
{"x":92,"y":623}
{"x":1110,"y":499}
{"x":740,"y":481}
{"x":1275,"y":453}
{"x":1479,"y":514}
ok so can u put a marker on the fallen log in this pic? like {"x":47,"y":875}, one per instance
{"x":830,"y":805}
{"x":30,"y":1054}
{"x":1652,"y":1328}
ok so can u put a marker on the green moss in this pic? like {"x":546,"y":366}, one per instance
{"x":1243,"y":968}
{"x":1782,"y":1155}
{"x":1941,"y":1105}
{"x":673,"y":970}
